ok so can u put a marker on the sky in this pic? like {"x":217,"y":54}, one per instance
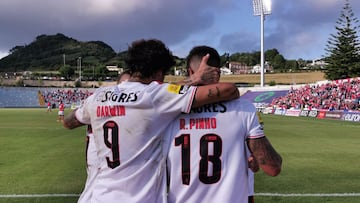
{"x":296,"y":28}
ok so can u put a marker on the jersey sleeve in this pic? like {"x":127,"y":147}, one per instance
{"x":82,"y":113}
{"x":255,"y":129}
{"x":171,"y":97}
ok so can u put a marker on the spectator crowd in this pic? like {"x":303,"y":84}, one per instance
{"x":67,"y":96}
{"x":343,"y":95}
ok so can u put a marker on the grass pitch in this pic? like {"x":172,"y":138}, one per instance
{"x":320,"y":159}
{"x":39,"y":156}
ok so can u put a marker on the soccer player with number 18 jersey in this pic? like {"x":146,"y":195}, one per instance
{"x":128,"y":122}
{"x":207,"y":159}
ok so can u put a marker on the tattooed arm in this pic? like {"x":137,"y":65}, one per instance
{"x":208,"y":94}
{"x":71,"y":122}
{"x":211,"y":91}
{"x":266,"y":156}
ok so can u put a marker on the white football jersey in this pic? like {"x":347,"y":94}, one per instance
{"x":207,"y":159}
{"x":128,"y":123}
{"x":92,"y":166}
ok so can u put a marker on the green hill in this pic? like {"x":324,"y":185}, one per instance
{"x":50,"y":52}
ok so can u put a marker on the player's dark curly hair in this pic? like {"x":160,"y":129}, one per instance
{"x":200,"y":51}
{"x":147,"y":57}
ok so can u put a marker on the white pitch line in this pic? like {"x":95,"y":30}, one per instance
{"x":256,"y":194}
{"x":310,"y":195}
{"x":37,"y":195}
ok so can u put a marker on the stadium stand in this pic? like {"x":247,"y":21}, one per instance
{"x":30,"y":97}
{"x":18,"y":97}
{"x":338,"y":99}
{"x":335,"y":95}
{"x":70,"y":97}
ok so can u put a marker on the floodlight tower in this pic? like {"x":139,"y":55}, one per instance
{"x":64,"y":59}
{"x":79,"y":63}
{"x":262,"y":8}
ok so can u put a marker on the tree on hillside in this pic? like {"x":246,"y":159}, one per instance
{"x":270,"y":54}
{"x":67,"y":72}
{"x":291,"y":65}
{"x":46,"y":53}
{"x":343,"y":47}
{"x":278,"y":63}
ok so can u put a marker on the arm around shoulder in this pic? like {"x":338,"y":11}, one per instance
{"x":208,"y":94}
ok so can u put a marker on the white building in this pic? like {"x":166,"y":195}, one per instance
{"x":225,"y":71}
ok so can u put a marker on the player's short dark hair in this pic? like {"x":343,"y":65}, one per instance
{"x":148,"y":57}
{"x":200,"y":51}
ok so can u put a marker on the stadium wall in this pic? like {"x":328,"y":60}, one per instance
{"x":353,"y":116}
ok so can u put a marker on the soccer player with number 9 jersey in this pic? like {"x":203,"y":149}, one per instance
{"x":128,"y":121}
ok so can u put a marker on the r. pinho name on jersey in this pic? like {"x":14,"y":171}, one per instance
{"x":197,"y":123}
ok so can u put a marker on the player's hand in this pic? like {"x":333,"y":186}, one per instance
{"x":253,"y":165}
{"x":206,"y":74}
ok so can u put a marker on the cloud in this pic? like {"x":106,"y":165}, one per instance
{"x":239,"y":42}
{"x":301,"y":29}
{"x":3,"y":54}
{"x":116,"y":22}
{"x":298,"y":29}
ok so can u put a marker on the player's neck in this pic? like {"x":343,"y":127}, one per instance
{"x":141,"y":80}
{"x":136,"y":77}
